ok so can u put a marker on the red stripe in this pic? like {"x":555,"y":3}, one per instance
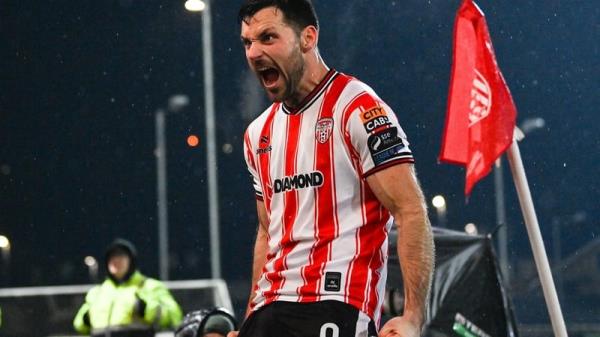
{"x":249,"y":150}
{"x":348,"y":296}
{"x":376,"y":264}
{"x":353,"y":154}
{"x":362,"y":102}
{"x":326,"y":218}
{"x":265,"y":159}
{"x":372,"y":234}
{"x":290,"y":204}
{"x":250,"y":156}
{"x":303,"y":291}
{"x":264,"y":171}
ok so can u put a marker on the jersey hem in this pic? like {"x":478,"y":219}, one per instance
{"x":294,"y":299}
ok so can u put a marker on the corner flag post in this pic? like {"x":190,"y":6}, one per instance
{"x":535,"y":239}
{"x":480,"y":127}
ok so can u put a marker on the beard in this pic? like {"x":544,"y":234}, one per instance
{"x":293,"y":78}
{"x":290,"y":71}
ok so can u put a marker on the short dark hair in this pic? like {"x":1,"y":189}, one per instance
{"x":297,"y":13}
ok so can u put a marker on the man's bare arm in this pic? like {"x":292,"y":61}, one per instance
{"x":398,"y":190}
{"x":261,"y":248}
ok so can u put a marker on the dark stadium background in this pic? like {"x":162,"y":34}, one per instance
{"x":80,"y":82}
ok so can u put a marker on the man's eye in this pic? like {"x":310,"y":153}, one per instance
{"x":267,"y":38}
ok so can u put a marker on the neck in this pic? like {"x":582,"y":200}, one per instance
{"x":315,"y":71}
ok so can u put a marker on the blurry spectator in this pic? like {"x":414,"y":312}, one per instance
{"x":217,"y":322}
{"x":127,"y":303}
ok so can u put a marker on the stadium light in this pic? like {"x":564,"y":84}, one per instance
{"x":195,"y":5}
{"x":90,"y":261}
{"x":92,"y":265}
{"x":532,"y":124}
{"x":439,"y":202}
{"x":193,"y":141}
{"x":4,"y":242}
{"x":471,"y":229}
{"x":5,"y":251}
{"x":227,"y":148}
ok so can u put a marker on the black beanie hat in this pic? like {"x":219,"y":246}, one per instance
{"x":219,"y":322}
{"x":200,"y":322}
{"x":121,"y":246}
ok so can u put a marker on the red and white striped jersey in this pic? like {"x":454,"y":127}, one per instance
{"x":327,"y":231}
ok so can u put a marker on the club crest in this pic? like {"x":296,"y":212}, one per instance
{"x":323,"y":129}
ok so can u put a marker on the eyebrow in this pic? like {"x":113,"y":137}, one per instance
{"x":268,"y":29}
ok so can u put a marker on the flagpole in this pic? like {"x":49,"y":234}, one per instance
{"x":535,"y":238}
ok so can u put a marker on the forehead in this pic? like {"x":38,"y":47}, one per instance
{"x":269,"y":17}
{"x":119,"y":256}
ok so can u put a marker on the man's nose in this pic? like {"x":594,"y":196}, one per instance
{"x":254,"y":51}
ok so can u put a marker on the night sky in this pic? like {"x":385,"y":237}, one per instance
{"x":80,"y":82}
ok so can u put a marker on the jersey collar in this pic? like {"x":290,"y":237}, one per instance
{"x":312,"y":96}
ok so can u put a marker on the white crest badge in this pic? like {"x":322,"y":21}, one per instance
{"x":481,"y":99}
{"x":323,"y":129}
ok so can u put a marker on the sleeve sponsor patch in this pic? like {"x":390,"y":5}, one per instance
{"x":385,"y":145}
{"x":374,"y":118}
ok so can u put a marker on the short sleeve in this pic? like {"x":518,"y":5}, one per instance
{"x":376,"y":136}
{"x":251,"y":164}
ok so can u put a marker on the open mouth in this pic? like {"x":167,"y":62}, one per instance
{"x":269,"y":76}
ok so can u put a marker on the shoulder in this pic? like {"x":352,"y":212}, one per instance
{"x":357,"y":87}
{"x":262,"y":118}
{"x":108,"y":283}
{"x":93,"y":292}
{"x":95,"y":289}
{"x":357,"y":93}
{"x":153,"y":284}
{"x":356,"y":98}
{"x":255,"y":128}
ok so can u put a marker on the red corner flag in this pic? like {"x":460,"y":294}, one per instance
{"x":481,"y":114}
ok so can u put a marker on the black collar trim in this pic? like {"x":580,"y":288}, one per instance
{"x":313,"y":96}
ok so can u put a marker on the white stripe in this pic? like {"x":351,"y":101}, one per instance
{"x":348,"y":206}
{"x":304,"y":227}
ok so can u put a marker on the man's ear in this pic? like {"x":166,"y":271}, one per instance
{"x":309,"y":38}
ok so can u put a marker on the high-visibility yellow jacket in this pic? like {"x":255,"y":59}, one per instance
{"x":111,"y":305}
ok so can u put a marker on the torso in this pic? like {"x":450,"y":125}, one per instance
{"x":327,"y":231}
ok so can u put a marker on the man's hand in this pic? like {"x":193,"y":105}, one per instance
{"x":233,"y":334}
{"x":398,"y":327}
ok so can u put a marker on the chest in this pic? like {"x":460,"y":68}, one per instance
{"x":298,"y":144}
{"x":115,"y":301}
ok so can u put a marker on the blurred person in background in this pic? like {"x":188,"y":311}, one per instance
{"x":215,"y":322}
{"x":127,"y":303}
